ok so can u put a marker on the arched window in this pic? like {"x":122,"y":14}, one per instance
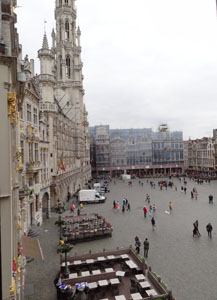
{"x":67,"y":30}
{"x":66,"y":2}
{"x":60,"y":67}
{"x":68,"y":72}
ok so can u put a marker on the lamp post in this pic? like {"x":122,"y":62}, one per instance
{"x":60,"y":222}
{"x":65,"y":248}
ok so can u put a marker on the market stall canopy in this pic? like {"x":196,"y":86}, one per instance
{"x":31,"y":247}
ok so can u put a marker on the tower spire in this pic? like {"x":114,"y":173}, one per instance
{"x":45,"y":22}
{"x":45,"y":42}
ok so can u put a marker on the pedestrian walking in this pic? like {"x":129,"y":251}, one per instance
{"x":118,"y":205}
{"x":123,"y":208}
{"x":196,"y":229}
{"x":146,"y":247}
{"x":72,"y":207}
{"x":78,"y":212}
{"x":209,"y":229}
{"x":137,"y":244}
{"x":145,"y":211}
{"x":150,"y":209}
{"x":153,"y":223}
{"x":170,"y":206}
{"x":128,"y":206}
{"x":147,"y":198}
{"x":114,"y":204}
{"x":210,"y":199}
{"x":154,"y":208}
{"x":68,"y":196}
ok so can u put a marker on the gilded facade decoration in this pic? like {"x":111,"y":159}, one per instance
{"x":12,"y":110}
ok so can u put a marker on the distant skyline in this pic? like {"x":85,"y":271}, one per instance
{"x":146,"y":62}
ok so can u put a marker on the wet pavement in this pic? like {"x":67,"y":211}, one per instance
{"x":186,"y":264}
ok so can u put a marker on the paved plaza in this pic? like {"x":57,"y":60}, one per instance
{"x":186,"y":264}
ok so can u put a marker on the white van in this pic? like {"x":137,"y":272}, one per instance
{"x":125,"y":176}
{"x":90,"y":196}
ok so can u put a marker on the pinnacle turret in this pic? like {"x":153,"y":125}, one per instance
{"x":78,"y":31}
{"x":45,"y":42}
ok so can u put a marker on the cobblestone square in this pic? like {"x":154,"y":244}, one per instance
{"x":185,"y":264}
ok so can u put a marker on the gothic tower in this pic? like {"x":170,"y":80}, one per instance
{"x":69,"y":87}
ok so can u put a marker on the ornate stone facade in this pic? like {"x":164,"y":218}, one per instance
{"x":54,"y":139}
{"x":62,"y":107}
{"x":11,"y":97}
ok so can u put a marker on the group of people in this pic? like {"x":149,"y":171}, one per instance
{"x":138,"y":245}
{"x":194,"y":194}
{"x":80,"y":207}
{"x":152,"y":210}
{"x":125,"y":205}
{"x":196,"y":231}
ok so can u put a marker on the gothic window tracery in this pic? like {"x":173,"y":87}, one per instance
{"x":68,"y":72}
{"x":60,"y":67}
{"x":67,"y":30}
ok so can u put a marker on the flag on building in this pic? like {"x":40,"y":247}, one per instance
{"x":61,"y":165}
{"x":86,"y":123}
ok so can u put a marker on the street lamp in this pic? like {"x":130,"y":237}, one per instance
{"x":65,"y":248}
{"x":60,"y":222}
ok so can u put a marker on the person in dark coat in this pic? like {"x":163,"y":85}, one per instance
{"x":210,"y":199}
{"x":209,"y":229}
{"x":146,"y":247}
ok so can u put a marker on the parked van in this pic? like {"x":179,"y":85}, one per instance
{"x":125,"y":176}
{"x":90,"y":196}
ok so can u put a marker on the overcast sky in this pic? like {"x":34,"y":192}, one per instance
{"x":145,"y":61}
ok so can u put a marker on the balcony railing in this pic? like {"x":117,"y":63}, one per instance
{"x":48,"y":107}
{"x":32,"y":167}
